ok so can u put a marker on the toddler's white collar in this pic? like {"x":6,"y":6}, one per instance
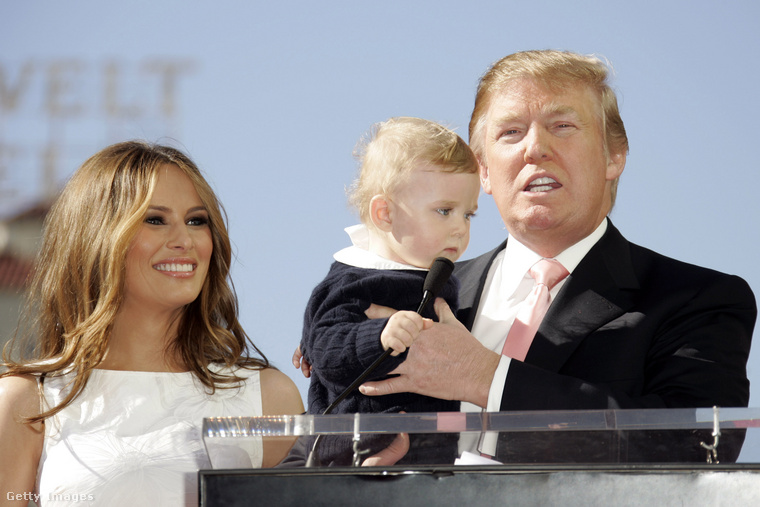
{"x":359,"y":256}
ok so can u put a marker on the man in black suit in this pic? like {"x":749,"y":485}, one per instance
{"x":628,"y":328}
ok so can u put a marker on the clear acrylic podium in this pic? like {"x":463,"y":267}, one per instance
{"x":596,"y":457}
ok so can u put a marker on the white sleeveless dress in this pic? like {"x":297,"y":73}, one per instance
{"x":134,"y":438}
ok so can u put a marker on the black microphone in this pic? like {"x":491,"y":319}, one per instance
{"x":439,"y":274}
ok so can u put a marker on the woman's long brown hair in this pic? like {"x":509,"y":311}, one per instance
{"x":78,"y":282}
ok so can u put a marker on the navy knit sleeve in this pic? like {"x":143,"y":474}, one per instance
{"x":339,"y":341}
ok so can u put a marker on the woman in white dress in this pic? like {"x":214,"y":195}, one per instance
{"x":137,"y":339}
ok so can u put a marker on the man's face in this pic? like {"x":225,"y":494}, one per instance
{"x":545,"y":165}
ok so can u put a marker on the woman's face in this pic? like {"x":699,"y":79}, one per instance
{"x":169,"y":258}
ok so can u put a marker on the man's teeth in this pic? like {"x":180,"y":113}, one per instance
{"x":541,"y":185}
{"x":179,"y":268}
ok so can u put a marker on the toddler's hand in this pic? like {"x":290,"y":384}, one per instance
{"x":300,"y":363}
{"x":401,"y":331}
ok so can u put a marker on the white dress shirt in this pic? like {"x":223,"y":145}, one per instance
{"x":506,"y":288}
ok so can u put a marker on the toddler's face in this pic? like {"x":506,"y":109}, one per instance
{"x":430,"y":215}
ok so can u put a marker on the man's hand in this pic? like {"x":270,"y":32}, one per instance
{"x":445,"y":362}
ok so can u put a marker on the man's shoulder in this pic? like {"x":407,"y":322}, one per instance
{"x":651,"y":267}
{"x":644,"y":258}
{"x":661,"y":265}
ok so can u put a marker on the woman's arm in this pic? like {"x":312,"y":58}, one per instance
{"x":279,"y":396}
{"x":20,"y":442}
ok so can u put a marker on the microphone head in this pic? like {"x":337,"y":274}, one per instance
{"x":438,"y":275}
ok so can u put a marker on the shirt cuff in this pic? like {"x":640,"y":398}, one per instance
{"x":497,"y":385}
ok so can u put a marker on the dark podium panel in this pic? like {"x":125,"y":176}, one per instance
{"x":646,"y":457}
{"x":531,"y":485}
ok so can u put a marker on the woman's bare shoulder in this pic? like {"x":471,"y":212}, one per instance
{"x":19,"y":394}
{"x":279,"y":393}
{"x":20,"y":442}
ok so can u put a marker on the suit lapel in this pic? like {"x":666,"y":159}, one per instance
{"x":599,"y":290}
{"x":472,"y":276}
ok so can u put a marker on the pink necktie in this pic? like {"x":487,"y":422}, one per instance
{"x":547,"y":273}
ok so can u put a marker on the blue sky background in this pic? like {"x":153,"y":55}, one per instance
{"x":270,"y":99}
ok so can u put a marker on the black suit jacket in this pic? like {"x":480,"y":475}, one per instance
{"x":630,"y":328}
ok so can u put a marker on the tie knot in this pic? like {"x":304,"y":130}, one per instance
{"x":548,"y":272}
